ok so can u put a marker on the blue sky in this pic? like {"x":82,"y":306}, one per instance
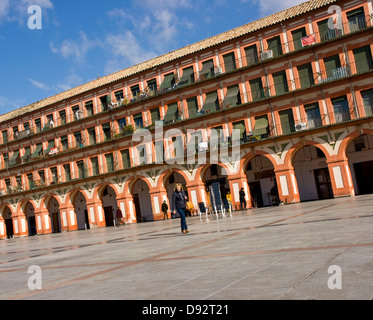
{"x":81,"y":40}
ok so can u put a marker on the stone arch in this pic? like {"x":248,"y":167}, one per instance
{"x":139,"y":188}
{"x":165,"y":175}
{"x":109,"y":203}
{"x":251,"y":155}
{"x":291,"y":153}
{"x":349,"y":139}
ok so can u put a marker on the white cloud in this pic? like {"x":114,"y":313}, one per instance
{"x":38,"y":84}
{"x":268,"y":7}
{"x":76,"y":49}
{"x":126,"y":51}
{"x":71,"y":81}
{"x":4,"y":8}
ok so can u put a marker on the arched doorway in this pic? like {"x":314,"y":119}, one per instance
{"x":312,"y":174}
{"x":261,"y":179}
{"x":54,"y":215}
{"x":81,"y":212}
{"x":8,"y":223}
{"x":108,"y":198}
{"x":170,"y":183}
{"x":216,"y":174}
{"x":142,"y":201}
{"x":29,"y":212}
{"x":360,"y":158}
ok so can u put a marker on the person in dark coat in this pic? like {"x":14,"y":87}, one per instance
{"x":242,"y":199}
{"x":179,"y":199}
{"x":165,"y":209}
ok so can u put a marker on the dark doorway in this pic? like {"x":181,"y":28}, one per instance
{"x":323,"y":184}
{"x":9,"y":228}
{"x":136,"y":202}
{"x":256,"y":194}
{"x":32,"y":226}
{"x":86,"y":220}
{"x":364,"y":177}
{"x":55,"y":223}
{"x":109,"y":217}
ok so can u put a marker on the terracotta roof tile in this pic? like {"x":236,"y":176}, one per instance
{"x":193,"y":48}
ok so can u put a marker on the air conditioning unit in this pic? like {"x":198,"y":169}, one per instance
{"x":301,"y":126}
{"x":2,"y":193}
{"x":266,"y":55}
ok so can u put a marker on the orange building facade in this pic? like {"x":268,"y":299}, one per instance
{"x":297,"y":84}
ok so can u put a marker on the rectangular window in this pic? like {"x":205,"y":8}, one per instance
{"x":313,"y":115}
{"x":37,"y":125}
{"x":38,"y":151}
{"x":27,"y":156}
{"x":155,"y":115}
{"x":172,"y":114}
{"x":233,"y":97}
{"x":306,"y":76}
{"x":78,"y":140}
{"x":207,"y":70}
{"x":331,"y":65}
{"x":6,"y":160}
{"x":188,"y":77}
{"x":281,"y":83}
{"x":192,"y":107}
{"x":356,"y":20}
{"x":168,"y":82}
{"x":367,"y":97}
{"x":251,"y":55}
{"x":62,"y":115}
{"x":51,"y":145}
{"x":64,"y":143}
{"x":261,"y":129}
{"x":41,"y":176}
{"x":152,"y":87}
{"x":92,"y":136}
{"x":67,"y":170}
{"x":81,"y":169}
{"x":119,"y":95}
{"x":89,"y":108}
{"x":109,"y":162}
{"x":326,"y":33}
{"x":5,"y":136}
{"x":104,"y":103}
{"x":341,"y":109}
{"x":257,"y":90}
{"x":363,"y":59}
{"x":30,"y":180}
{"x":76,"y":112}
{"x":229,"y":62}
{"x":211,"y":103}
{"x":297,"y":37}
{"x":95,"y":167}
{"x":137,"y":118}
{"x":240,"y":125}
{"x":287,"y":121}
{"x":126,"y":159}
{"x":54,"y":175}
{"x":107,"y":131}
{"x":135,"y":92}
{"x":274,"y":44}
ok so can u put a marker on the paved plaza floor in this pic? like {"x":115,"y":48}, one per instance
{"x":313,"y":250}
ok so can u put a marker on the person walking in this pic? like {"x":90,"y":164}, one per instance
{"x":119,"y":217}
{"x":165,"y":209}
{"x":179,"y":199}
{"x":242,"y":199}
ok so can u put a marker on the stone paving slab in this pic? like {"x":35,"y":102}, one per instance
{"x":269,"y":253}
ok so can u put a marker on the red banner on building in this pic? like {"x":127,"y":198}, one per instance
{"x":307,"y":41}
